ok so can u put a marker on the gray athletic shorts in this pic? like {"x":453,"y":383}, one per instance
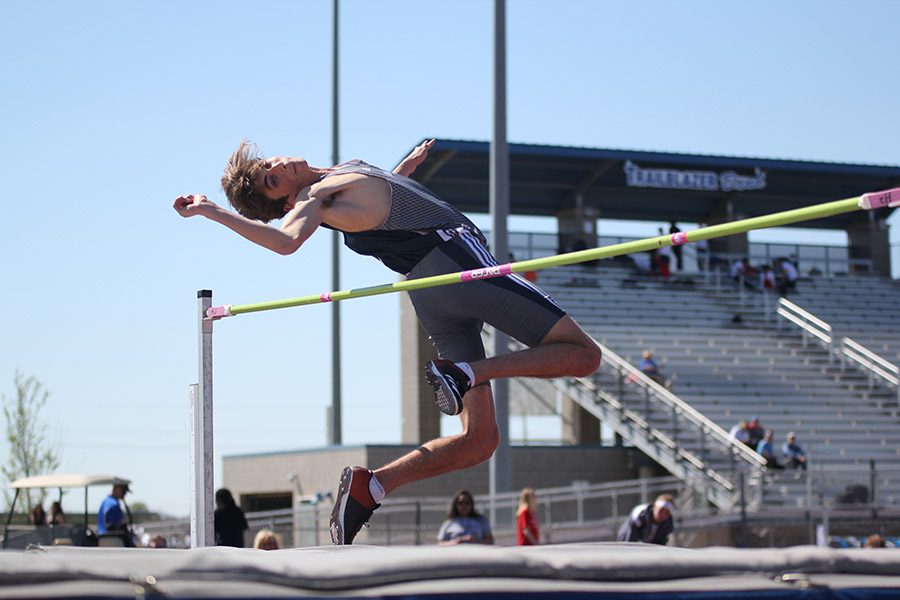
{"x":453,"y":315}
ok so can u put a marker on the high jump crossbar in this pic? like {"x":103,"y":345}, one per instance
{"x":201,"y":393}
{"x":868,"y":201}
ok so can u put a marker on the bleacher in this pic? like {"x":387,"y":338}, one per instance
{"x":864,"y":309}
{"x":731,"y":371}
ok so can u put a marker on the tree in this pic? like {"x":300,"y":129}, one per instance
{"x":29,"y":452}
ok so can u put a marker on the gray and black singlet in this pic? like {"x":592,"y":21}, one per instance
{"x":424,"y":236}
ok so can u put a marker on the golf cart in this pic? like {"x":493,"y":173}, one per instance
{"x":69,"y":534}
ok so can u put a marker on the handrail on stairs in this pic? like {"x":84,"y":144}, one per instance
{"x":736,"y":450}
{"x":870,"y":363}
{"x":672,"y":401}
{"x":809,"y":324}
{"x":850,"y":350}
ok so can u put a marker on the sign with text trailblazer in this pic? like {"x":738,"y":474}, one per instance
{"x":707,"y":181}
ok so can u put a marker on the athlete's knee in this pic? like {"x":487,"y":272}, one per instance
{"x":481,"y":439}
{"x":482,"y":442}
{"x":585,"y":360}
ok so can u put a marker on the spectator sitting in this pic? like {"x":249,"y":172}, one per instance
{"x":794,"y":456}
{"x":875,"y":541}
{"x":741,"y":432}
{"x":742,"y":272}
{"x":648,"y":367}
{"x":787,"y":276}
{"x":757,"y":433}
{"x":767,"y":451}
{"x":738,"y":268}
{"x":464,"y":525}
{"x":266,"y":539}
{"x":37,"y":516}
{"x":649,"y":523}
{"x":57,"y":516}
{"x":767,"y":279}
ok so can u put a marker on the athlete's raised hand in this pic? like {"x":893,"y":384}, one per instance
{"x":191,"y":205}
{"x":415,"y":158}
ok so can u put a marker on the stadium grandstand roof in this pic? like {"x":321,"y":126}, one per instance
{"x":648,"y":186}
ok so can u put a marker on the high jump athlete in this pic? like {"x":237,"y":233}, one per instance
{"x":388,"y":216}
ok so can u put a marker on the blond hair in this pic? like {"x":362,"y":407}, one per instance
{"x":527,"y":500}
{"x":239,"y":185}
{"x":263,"y":539}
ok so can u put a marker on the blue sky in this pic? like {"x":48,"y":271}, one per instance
{"x":112,"y":109}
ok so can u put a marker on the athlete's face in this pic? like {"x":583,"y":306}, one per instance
{"x":281,"y":176}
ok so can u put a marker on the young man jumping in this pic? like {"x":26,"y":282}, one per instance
{"x":403,"y":224}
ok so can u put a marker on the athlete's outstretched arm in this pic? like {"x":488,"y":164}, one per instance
{"x":296,"y":227}
{"x":415,"y":158}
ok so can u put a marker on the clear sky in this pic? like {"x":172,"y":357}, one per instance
{"x":112,"y":109}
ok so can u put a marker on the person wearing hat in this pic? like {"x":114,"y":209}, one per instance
{"x":111,"y":517}
{"x":649,"y":523}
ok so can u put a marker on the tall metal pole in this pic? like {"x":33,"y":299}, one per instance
{"x":202,"y":432}
{"x":335,"y":433}
{"x":500,"y":465}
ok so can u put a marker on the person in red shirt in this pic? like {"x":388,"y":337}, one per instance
{"x":527,"y":532}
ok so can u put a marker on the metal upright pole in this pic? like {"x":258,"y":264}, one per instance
{"x":202,"y":433}
{"x":335,"y":434}
{"x":500,"y":464}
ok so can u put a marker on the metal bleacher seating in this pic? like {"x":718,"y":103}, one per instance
{"x":729,"y":371}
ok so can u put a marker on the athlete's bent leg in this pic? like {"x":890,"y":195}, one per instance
{"x":566,"y":351}
{"x":474,"y":445}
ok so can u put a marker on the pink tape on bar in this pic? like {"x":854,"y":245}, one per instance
{"x":326,"y":297}
{"x":486,"y":272}
{"x":218,"y":312}
{"x":678,"y":238}
{"x":880,"y":199}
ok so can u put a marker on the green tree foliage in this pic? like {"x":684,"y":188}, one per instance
{"x":30,"y":454}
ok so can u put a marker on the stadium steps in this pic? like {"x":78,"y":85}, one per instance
{"x":730,"y":372}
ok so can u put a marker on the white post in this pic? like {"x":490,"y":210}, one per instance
{"x":202,"y":433}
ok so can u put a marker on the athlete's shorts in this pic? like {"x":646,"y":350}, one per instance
{"x":453,"y":315}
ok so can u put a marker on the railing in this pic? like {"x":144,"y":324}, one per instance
{"x":827,"y":487}
{"x":828,"y":261}
{"x":665,"y":444}
{"x":565,"y":514}
{"x":851,"y":351}
{"x":581,"y":512}
{"x":578,"y":512}
{"x":627,"y":371}
{"x":738,"y":454}
{"x":870,"y":363}
{"x":809,"y":324}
